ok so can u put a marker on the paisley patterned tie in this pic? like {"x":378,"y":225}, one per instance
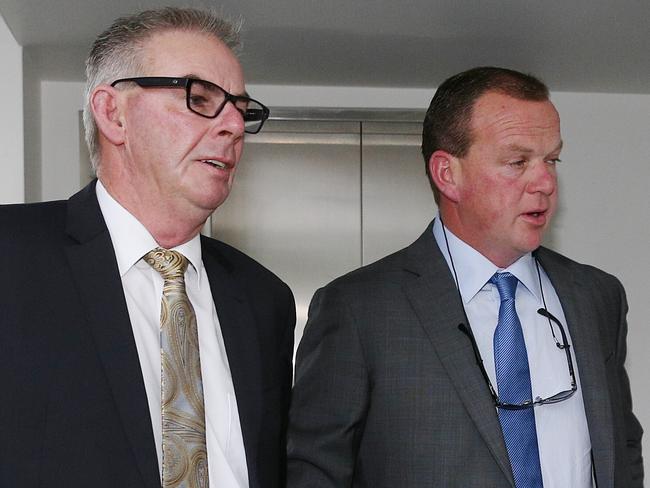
{"x":184,"y":459}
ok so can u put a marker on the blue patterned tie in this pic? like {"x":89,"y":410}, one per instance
{"x":513,"y":383}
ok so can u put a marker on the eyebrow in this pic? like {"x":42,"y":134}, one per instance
{"x":526,"y":150}
{"x":518,"y":149}
{"x":196,"y":77}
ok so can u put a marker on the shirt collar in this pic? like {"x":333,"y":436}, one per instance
{"x":474,"y":270}
{"x":131,"y":240}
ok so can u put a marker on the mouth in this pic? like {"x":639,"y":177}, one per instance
{"x":536,"y":217}
{"x":215,"y":163}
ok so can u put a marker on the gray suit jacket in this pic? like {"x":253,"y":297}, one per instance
{"x":388,"y":393}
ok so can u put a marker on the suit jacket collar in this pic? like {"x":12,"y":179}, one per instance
{"x":239,"y":329}
{"x":582,"y":321}
{"x":91,"y":258}
{"x":435,"y":299}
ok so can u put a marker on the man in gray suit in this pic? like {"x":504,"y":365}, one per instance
{"x":474,"y":357}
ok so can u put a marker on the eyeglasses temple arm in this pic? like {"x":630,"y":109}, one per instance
{"x":565,"y":343}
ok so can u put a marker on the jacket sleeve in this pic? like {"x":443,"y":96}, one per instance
{"x":631,"y":463}
{"x":330,"y":397}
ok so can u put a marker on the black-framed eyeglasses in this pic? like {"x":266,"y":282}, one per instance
{"x":558,"y":397}
{"x":206,"y":99}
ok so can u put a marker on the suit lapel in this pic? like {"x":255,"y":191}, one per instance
{"x":239,"y":330}
{"x":95,"y":273}
{"x":435,"y":299}
{"x":582,"y":322}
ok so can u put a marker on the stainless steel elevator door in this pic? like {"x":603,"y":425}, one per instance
{"x":295,"y":205}
{"x":315,"y":199}
{"x":397,"y":200}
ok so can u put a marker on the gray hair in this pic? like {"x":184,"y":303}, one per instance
{"x":117,"y":52}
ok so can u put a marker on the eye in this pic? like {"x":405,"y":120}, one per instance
{"x":198,"y":100}
{"x":520,"y":163}
{"x":241,"y":104}
{"x":554,"y":161}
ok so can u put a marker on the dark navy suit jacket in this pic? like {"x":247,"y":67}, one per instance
{"x":73,"y":408}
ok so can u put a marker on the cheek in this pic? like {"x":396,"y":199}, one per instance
{"x":148,"y":133}
{"x":487,"y":200}
{"x":553,"y":198}
{"x":239,"y":149}
{"x":178,"y":131}
{"x":162,"y":129}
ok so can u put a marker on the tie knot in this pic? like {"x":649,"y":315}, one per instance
{"x":506,"y":283}
{"x":170,"y":264}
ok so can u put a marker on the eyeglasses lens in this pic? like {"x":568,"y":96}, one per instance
{"x":205,"y":98}
{"x":208,"y":100}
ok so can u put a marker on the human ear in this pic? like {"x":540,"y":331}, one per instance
{"x":444,"y":169}
{"x":105,"y":107}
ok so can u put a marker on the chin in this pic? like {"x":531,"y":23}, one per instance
{"x":211,"y":206}
{"x":530,"y":246}
{"x":208,"y":197}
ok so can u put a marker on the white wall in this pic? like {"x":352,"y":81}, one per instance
{"x":603,"y":217}
{"x":32,"y":125}
{"x":11,"y":118}
{"x":60,"y":151}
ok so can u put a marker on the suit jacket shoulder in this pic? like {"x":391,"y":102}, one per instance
{"x":602,"y":292}
{"x":233,"y":259}
{"x":580,"y":271}
{"x":33,"y":223}
{"x":421,"y":258}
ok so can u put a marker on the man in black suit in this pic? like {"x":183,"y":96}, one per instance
{"x":114,"y":370}
{"x":474,"y":357}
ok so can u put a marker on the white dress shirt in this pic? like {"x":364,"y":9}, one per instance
{"x":562,"y":432}
{"x":143,"y":291}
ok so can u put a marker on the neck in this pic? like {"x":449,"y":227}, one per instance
{"x":170,"y":234}
{"x":168,"y":224}
{"x":452,"y":221}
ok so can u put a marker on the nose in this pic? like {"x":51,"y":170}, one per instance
{"x":229,"y":122}
{"x":543,"y":178}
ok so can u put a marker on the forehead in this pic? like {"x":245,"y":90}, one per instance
{"x":184,"y":53}
{"x":497,"y":117}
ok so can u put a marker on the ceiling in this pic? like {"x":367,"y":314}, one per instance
{"x":574,"y":45}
